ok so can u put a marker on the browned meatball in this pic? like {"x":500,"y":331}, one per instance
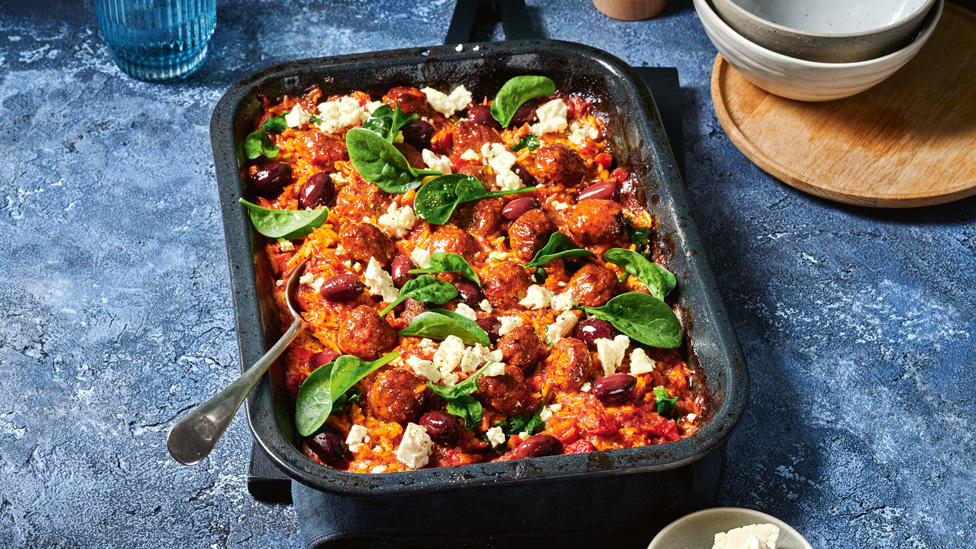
{"x":397,"y":395}
{"x":362,"y":241}
{"x":450,"y":239}
{"x":596,"y":222}
{"x":505,"y":284}
{"x":322,"y":150}
{"x":486,"y":217}
{"x":558,"y":165}
{"x":593,"y":285}
{"x":364,"y":334}
{"x":529,"y":233}
{"x":413,"y":156}
{"x":570,"y":365}
{"x":410,"y":100}
{"x":469,"y":135}
{"x":507,"y":393}
{"x":358,"y":199}
{"x":481,"y":173}
{"x":521,"y":347}
{"x":411,"y":308}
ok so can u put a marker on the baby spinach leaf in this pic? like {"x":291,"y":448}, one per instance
{"x":326,"y":385}
{"x":387,"y":122}
{"x":516,"y":91}
{"x":258,"y":143}
{"x":466,"y":323}
{"x":288,"y":224}
{"x":642,"y":317}
{"x":437,"y":325}
{"x":530,"y":141}
{"x":351,"y":397}
{"x":658,"y":280}
{"x":640,"y":236}
{"x":665,"y":405}
{"x":436,"y":201}
{"x":441,"y":262}
{"x":424,"y":288}
{"x":275,"y":124}
{"x":466,"y":387}
{"x":380,"y":163}
{"x":559,"y":246}
{"x":527,"y":422}
{"x":466,"y":408}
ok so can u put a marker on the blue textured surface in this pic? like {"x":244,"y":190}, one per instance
{"x":856,"y":323}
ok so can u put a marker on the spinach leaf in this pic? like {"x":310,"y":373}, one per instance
{"x":275,"y":124}
{"x":466,"y":387}
{"x":559,"y":246}
{"x":424,"y":288}
{"x":288,"y":224}
{"x":387,"y":123}
{"x":380,"y":163}
{"x":442,"y":262}
{"x":528,"y":422}
{"x":530,"y":142}
{"x":466,"y":408}
{"x":665,"y":405}
{"x":642,"y":317}
{"x":316,"y":120}
{"x":438,"y":324}
{"x":658,"y":280}
{"x":516,"y":91}
{"x":351,"y":397}
{"x":436,"y":201}
{"x":326,"y":385}
{"x":640,"y":236}
{"x":257,"y":143}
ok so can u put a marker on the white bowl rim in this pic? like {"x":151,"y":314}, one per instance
{"x":925,"y":7}
{"x":922,"y":37}
{"x":676,"y":524}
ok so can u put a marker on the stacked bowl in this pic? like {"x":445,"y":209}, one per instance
{"x":818,"y":50}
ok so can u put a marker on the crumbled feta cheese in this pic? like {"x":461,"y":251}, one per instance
{"x":379,"y":282}
{"x":427,"y":343}
{"x":578,"y":133}
{"x":754,"y":536}
{"x":640,"y":363}
{"x":537,"y":297}
{"x":559,"y":206}
{"x":279,"y":282}
{"x":397,"y":221}
{"x":449,"y":379}
{"x":420,"y":257}
{"x":561,"y":283}
{"x":469,"y":155}
{"x":341,"y":113}
{"x":509,"y":323}
{"x":560,"y":327}
{"x":306,"y":278}
{"x":449,"y":354}
{"x":496,"y":436}
{"x":459,"y":47}
{"x":297,"y":117}
{"x":564,"y":301}
{"x":465,"y":311}
{"x":474,"y":358}
{"x":691,"y":417}
{"x":486,"y":306}
{"x":448,"y":104}
{"x":552,"y":117}
{"x":496,"y":355}
{"x":524,"y":435}
{"x":377,"y":449}
{"x":378,"y":469}
{"x":496,"y":369}
{"x":372,"y":106}
{"x":358,"y":435}
{"x":498,"y":256}
{"x":585,"y":388}
{"x":424,"y":368}
{"x":437,"y":163}
{"x":415,"y":447}
{"x":501,"y":161}
{"x":285,"y":245}
{"x":611,"y":352}
{"x":316,"y":284}
{"x":545,"y":414}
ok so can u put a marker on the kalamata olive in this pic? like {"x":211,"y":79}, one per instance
{"x":514,"y":209}
{"x":480,"y":114}
{"x":593,"y":329}
{"x":272,"y":177}
{"x":317,"y":191}
{"x":601,"y":191}
{"x":400,"y":270}
{"x":524,"y":175}
{"x":490,"y":325}
{"x":418,"y":133}
{"x":614,"y":388}
{"x":342,"y":287}
{"x":322,"y":358}
{"x":468,"y":293}
{"x":524,"y":115}
{"x":328,"y":446}
{"x":441,"y":426}
{"x":538,"y":446}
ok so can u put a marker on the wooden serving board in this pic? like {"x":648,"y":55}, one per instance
{"x":909,"y":141}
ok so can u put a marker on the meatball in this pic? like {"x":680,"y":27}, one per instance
{"x":559,"y":166}
{"x":486,"y":217}
{"x":362,"y":241}
{"x":397,"y":395}
{"x":529,"y":233}
{"x":505,"y":284}
{"x":410,"y":100}
{"x":322,"y":150}
{"x":452,"y":240}
{"x":570,"y":365}
{"x":521,"y":347}
{"x":470,"y":135}
{"x":596,"y":222}
{"x":593,"y":285}
{"x":364,"y":334}
{"x":411,"y":308}
{"x":413,"y":156}
{"x":506,"y":393}
{"x":358,"y":199}
{"x":481,"y":173}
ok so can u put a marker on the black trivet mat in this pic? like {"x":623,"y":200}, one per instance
{"x":267,"y":483}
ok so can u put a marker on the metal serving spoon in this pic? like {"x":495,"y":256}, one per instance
{"x":194,"y":437}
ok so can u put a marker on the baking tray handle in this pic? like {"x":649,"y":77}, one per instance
{"x":512,"y":13}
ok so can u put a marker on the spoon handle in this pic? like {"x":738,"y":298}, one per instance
{"x":194,"y":436}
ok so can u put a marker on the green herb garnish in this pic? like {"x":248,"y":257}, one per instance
{"x":440,"y":323}
{"x":527,"y":422}
{"x":466,"y":387}
{"x":559,"y":246}
{"x":640,"y":236}
{"x":287,"y":224}
{"x":466,"y":408}
{"x":517,"y":91}
{"x":380,"y":163}
{"x":642,"y":317}
{"x":436,"y":201}
{"x":425,"y":288}
{"x":258,"y":142}
{"x":530,"y":142}
{"x":659,"y":281}
{"x":441,"y":262}
{"x":325,"y":387}
{"x":665,"y":404}
{"x":387,"y":122}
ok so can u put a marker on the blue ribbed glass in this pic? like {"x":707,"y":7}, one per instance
{"x":157,"y":39}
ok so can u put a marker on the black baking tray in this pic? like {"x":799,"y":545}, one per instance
{"x":640,"y":145}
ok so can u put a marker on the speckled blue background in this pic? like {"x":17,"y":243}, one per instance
{"x":856,"y":323}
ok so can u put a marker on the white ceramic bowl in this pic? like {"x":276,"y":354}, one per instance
{"x":698,"y":529}
{"x":800,"y":79}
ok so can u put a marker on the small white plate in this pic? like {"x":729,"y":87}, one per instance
{"x":697,"y":530}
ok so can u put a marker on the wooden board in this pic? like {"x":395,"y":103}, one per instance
{"x":909,"y":141}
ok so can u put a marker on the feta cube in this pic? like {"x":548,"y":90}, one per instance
{"x":611,"y":352}
{"x":501,"y":161}
{"x":474,"y":358}
{"x":537,"y":297}
{"x":465,"y":311}
{"x":306,"y":278}
{"x":585,"y":388}
{"x":415,"y":447}
{"x":437,"y":163}
{"x":754,"y":536}
{"x":485,"y":306}
{"x":448,"y":104}
{"x":496,"y":436}
{"x":449,"y":354}
{"x":579,"y":133}
{"x":559,"y":206}
{"x":424,"y":368}
{"x":358,"y":435}
{"x":496,"y":355}
{"x":297,"y":117}
{"x":341,"y":113}
{"x":552,"y":117}
{"x":397,"y":221}
{"x":373,"y":105}
{"x":640,"y":363}
{"x":545,"y":414}
{"x":316,"y":284}
{"x":508,"y":323}
{"x":378,"y":469}
{"x":560,"y":328}
{"x":469,"y":155}
{"x":496,"y":369}
{"x":379,"y":282}
{"x":285,"y":245}
{"x":420,"y":257}
{"x":564,"y":301}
